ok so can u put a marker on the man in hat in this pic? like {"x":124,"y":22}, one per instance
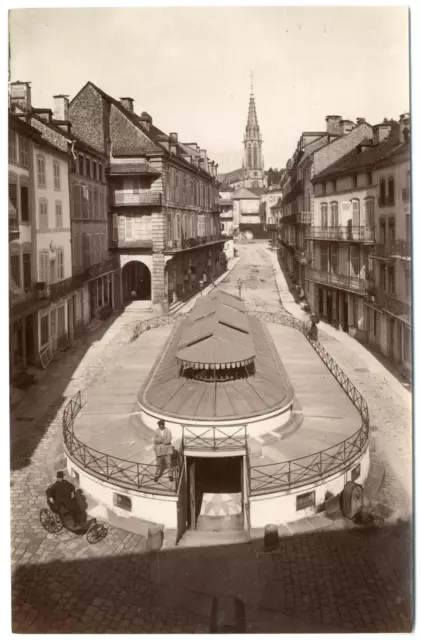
{"x":312,"y":330}
{"x":163,"y":450}
{"x":62,"y":494}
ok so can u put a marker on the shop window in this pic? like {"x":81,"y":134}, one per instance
{"x":305,"y":500}
{"x":122,"y":502}
{"x":45,"y":334}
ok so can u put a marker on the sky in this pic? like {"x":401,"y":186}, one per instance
{"x":190,"y":67}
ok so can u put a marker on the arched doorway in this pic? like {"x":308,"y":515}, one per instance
{"x":136,"y":281}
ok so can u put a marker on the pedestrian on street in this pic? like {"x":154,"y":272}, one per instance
{"x":163,"y":450}
{"x":62,"y":494}
{"x":312,"y":330}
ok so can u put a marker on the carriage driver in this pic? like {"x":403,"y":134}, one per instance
{"x":62,"y":494}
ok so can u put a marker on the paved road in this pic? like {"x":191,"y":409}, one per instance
{"x":341,"y":580}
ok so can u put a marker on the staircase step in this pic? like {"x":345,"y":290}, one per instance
{"x":194,"y":538}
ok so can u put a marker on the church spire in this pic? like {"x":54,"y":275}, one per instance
{"x":253,"y":171}
{"x":252,"y":127}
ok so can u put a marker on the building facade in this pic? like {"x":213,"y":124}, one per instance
{"x":163,"y":200}
{"x":314,"y":153}
{"x":359,"y":244}
{"x":388,"y":303}
{"x":24,"y":297}
{"x":69,"y":274}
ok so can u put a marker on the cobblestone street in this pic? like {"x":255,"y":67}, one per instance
{"x":338,"y":579}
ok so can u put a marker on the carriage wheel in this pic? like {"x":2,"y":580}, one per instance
{"x":96,"y":533}
{"x":50,"y":521}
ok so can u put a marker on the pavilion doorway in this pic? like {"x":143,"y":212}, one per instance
{"x":215,"y":493}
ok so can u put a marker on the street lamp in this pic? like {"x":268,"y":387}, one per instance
{"x":239,"y":285}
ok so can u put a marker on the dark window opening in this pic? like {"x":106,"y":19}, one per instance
{"x":24,"y":203}
{"x":305,"y":500}
{"x":123,"y":502}
{"x":218,"y":375}
{"x":26,"y":270}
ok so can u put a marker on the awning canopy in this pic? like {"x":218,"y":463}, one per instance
{"x":218,"y":334}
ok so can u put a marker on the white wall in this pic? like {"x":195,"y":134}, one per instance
{"x":60,"y":237}
{"x":147,"y":506}
{"x":281,"y":507}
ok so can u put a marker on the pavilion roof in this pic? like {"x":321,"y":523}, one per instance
{"x":217,"y":332}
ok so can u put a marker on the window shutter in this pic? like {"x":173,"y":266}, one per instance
{"x":77,"y":209}
{"x":115,"y":227}
{"x":85,"y":201}
{"x":129,"y":227}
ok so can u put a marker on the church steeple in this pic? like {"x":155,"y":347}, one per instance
{"x":253,"y":173}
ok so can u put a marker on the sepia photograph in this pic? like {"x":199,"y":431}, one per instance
{"x":210,"y":346}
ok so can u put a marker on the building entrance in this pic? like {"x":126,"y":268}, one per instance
{"x":215,"y":493}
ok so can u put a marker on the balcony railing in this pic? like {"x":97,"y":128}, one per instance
{"x":141,"y":199}
{"x":392,"y":250}
{"x":401,"y":248}
{"x":191,"y":243}
{"x":214,"y":438}
{"x":340,"y":280}
{"x":406,"y":194}
{"x":342,"y":233}
{"x":304,"y":217}
{"x":397,"y":307}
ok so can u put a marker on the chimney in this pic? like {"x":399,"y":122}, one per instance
{"x":346,"y":126}
{"x":404,"y":128}
{"x":173,"y":142}
{"x":203,"y":160}
{"x":20,"y":95}
{"x":381,"y":132}
{"x":61,"y":107}
{"x":360,"y":121}
{"x":146,"y":120}
{"x":127,"y":103}
{"x":333,"y":125}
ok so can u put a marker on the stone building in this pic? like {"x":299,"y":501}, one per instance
{"x":315,"y":151}
{"x":72,"y":203}
{"x":24,"y":297}
{"x":360,"y":243}
{"x":163,"y":200}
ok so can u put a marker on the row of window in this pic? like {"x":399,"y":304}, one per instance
{"x":19,"y":196}
{"x":42,"y":173}
{"x":186,"y":225}
{"x":89,"y":203}
{"x":45,"y":223}
{"x":18,"y":149}
{"x":357,"y":181}
{"x":184,"y":188}
{"x":51,"y":269}
{"x":90,"y":168}
{"x":89,"y":249}
{"x":329,"y":260}
{"x":333,"y":219}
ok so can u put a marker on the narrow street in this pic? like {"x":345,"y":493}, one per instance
{"x":355,"y":579}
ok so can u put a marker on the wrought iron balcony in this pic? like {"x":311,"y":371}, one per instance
{"x":401,"y":248}
{"x":406,"y":194}
{"x":191,"y":243}
{"x":342,"y":233}
{"x":395,"y":306}
{"x":141,"y":199}
{"x":392,"y":250}
{"x":338,"y":280}
{"x":133,"y":243}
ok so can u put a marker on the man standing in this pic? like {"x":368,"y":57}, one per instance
{"x":62,"y":494}
{"x":163,"y":450}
